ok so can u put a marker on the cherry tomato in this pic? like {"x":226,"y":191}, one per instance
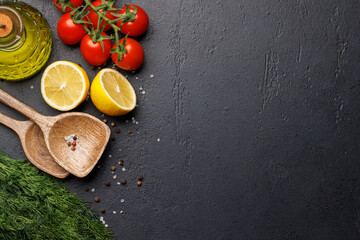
{"x":93,"y":52}
{"x":138,"y":26}
{"x":75,"y":3}
{"x":94,"y":17}
{"x":133,"y":58}
{"x":69,"y":32}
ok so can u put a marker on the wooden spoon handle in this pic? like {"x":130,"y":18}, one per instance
{"x":10,"y":122}
{"x":22,"y":108}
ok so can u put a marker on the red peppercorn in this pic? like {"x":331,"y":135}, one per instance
{"x":74,"y":144}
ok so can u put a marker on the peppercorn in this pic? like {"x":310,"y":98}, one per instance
{"x":122,"y":162}
{"x":120,"y":149}
{"x":130,"y":133}
{"x":117,"y":130}
{"x":86,"y":189}
{"x":113,"y":124}
{"x":73,"y":148}
{"x":105,"y":121}
{"x":69,"y":144}
{"x":107,"y":183}
{"x":75,"y":138}
{"x":93,"y":67}
{"x":123,"y":181}
{"x":74,"y":144}
{"x":113,"y":168}
{"x":140,"y":178}
{"x":97,"y":199}
{"x":139,"y":183}
{"x":103,"y":210}
{"x":113,"y":139}
{"x":99,"y":67}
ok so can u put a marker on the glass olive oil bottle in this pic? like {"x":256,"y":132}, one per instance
{"x":25,"y":40}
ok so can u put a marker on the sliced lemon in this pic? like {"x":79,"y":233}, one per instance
{"x":112,"y":93}
{"x":64,"y":85}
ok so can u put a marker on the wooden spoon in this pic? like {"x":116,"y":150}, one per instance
{"x":92,"y":134}
{"x":33,"y":143}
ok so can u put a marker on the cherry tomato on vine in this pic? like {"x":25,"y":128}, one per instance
{"x":138,"y":26}
{"x":133,"y":58}
{"x":94,"y":17}
{"x":93,"y":52}
{"x":75,"y":3}
{"x":68,"y":31}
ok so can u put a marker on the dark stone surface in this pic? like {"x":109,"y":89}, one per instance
{"x":256,"y":105}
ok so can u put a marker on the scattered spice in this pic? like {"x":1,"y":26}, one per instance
{"x":103,"y":210}
{"x":107,"y":183}
{"x":140,"y":178}
{"x":117,"y":130}
{"x":113,"y":124}
{"x":139,"y":183}
{"x":99,"y":67}
{"x":113,"y":168}
{"x":71,"y":140}
{"x":97,"y":199}
{"x":105,"y":120}
{"x":113,"y":139}
{"x":86,"y":189}
{"x":130,"y":133}
{"x":121,"y":162}
{"x":93,"y":67}
{"x":123,"y":181}
{"x":120,"y":149}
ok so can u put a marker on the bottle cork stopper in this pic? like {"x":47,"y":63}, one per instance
{"x":6,"y":25}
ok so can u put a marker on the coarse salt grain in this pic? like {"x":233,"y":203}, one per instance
{"x":31,"y":87}
{"x":114,"y":177}
{"x":110,"y":155}
{"x":158,"y":139}
{"x":143,"y":92}
{"x":93,"y":190}
{"x":151,"y":75}
{"x":123,"y":169}
{"x":101,"y":218}
{"x":114,"y":212}
{"x":106,"y":225}
{"x":136,"y":78}
{"x":136,"y":122}
{"x":140,"y":88}
{"x":118,"y":183}
{"x":121,"y":211}
{"x":122,"y":200}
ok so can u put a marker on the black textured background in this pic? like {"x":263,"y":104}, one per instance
{"x":256,"y":105}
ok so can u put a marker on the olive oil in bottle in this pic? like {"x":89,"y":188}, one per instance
{"x":25,"y":40}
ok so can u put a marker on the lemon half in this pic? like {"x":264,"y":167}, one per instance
{"x":112,"y":94}
{"x":64,"y":85}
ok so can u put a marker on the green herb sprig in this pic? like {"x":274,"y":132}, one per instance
{"x":33,"y":205}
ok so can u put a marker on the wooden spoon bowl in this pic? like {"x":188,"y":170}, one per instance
{"x":92,"y":133}
{"x":91,"y":136}
{"x":33,"y":143}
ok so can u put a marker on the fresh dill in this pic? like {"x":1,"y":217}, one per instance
{"x":34,"y":205}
